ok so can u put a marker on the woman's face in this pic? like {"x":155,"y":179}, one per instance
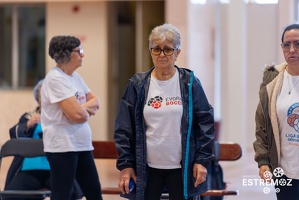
{"x":164,"y":61}
{"x":292,"y":55}
{"x":76,"y":57}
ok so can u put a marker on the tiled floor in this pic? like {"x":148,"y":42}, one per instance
{"x":241,"y":175}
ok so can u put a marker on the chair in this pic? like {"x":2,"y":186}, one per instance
{"x":24,"y":148}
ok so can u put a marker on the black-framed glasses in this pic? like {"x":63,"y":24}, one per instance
{"x":166,"y":51}
{"x":286,"y":46}
{"x":80,"y":51}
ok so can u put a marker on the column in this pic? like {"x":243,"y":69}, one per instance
{"x":234,"y":64}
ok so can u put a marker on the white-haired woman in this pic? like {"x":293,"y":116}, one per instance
{"x":162,"y":144}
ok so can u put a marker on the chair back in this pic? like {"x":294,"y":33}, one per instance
{"x":25,"y":147}
{"x":22,"y":147}
{"x":104,"y":150}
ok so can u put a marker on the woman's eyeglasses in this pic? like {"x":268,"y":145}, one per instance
{"x":80,"y":51}
{"x":286,"y":46}
{"x":166,"y":51}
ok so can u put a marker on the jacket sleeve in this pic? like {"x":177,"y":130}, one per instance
{"x":124,"y":129}
{"x":20,"y":129}
{"x":261,"y":145}
{"x":263,"y":125}
{"x":203,"y":125}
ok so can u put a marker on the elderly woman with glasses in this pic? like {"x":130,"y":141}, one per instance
{"x":165,"y":127}
{"x":67,"y":105}
{"x":277,"y":126}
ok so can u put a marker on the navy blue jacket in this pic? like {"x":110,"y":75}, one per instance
{"x":130,"y":130}
{"x":18,"y":130}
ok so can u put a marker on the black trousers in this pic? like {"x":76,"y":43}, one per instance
{"x":287,"y":189}
{"x":66,"y":167}
{"x":158,"y":179}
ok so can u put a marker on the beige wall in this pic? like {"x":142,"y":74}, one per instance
{"x":12,"y":105}
{"x":89,"y":24}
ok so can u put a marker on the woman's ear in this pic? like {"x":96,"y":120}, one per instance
{"x":178,"y":52}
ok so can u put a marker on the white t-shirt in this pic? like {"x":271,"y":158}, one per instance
{"x":59,"y":134}
{"x":287,"y":108}
{"x":163,"y":113}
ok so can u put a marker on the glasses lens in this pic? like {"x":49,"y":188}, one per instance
{"x":156,"y":51}
{"x":168,"y":51}
{"x":296,"y":45}
{"x":81,"y":51}
{"x":286,"y":46}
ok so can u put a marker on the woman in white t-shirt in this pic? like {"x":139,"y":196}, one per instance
{"x":164,"y":129}
{"x":277,"y":120}
{"x":67,"y":105}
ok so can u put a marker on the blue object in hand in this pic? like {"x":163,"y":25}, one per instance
{"x":131,"y":185}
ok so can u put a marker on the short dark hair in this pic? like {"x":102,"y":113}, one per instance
{"x":61,"y":46}
{"x":288,"y":28}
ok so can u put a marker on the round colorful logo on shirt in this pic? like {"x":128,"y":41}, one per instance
{"x":155,"y":102}
{"x":293,"y":116}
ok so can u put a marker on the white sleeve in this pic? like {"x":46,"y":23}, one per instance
{"x":59,"y":89}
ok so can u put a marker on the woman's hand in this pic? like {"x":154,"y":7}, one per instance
{"x":92,"y":111}
{"x":265,"y":173}
{"x":124,"y":179}
{"x":92,"y":104}
{"x":199,"y":173}
{"x":34,"y":119}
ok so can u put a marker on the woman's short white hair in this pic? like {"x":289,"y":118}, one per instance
{"x":165,"y":32}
